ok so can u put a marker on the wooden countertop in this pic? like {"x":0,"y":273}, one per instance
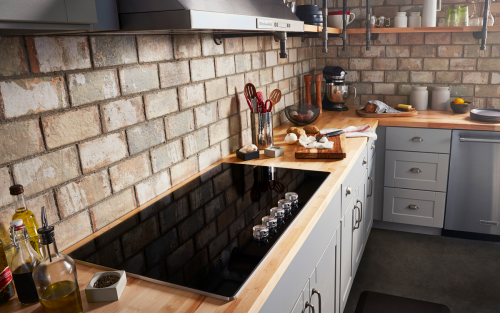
{"x":143,"y":296}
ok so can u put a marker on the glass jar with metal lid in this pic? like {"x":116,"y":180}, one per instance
{"x":260,"y":233}
{"x":285,"y":205}
{"x":294,"y":198}
{"x":279,"y":214}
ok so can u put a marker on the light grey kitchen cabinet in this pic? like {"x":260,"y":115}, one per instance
{"x":324,"y":295}
{"x":346,"y":276}
{"x":353,"y":178}
{"x":418,"y":139}
{"x":370,"y":196}
{"x":300,"y":304}
{"x":358,"y":229}
{"x":413,"y":170}
{"x":415,"y":207}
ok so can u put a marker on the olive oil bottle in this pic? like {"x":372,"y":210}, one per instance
{"x":26,"y":215}
{"x":6,"y":284}
{"x":55,"y":276}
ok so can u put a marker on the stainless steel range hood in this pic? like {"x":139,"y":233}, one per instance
{"x":178,"y":16}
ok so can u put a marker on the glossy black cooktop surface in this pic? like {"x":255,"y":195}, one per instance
{"x":199,"y":237}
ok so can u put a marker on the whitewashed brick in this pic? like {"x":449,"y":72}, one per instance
{"x":174,"y":73}
{"x":219,"y":131}
{"x":161,"y":103}
{"x":179,"y":124}
{"x":243,"y":62}
{"x":266,"y":76}
{"x":72,"y":126}
{"x":216,"y":89}
{"x":139,"y":78}
{"x":191,"y":95}
{"x":130,"y":171}
{"x":166,"y":155}
{"x":379,"y":88}
{"x":228,"y":107}
{"x":73,"y":230}
{"x":288,"y":70}
{"x":60,"y":53}
{"x":253,"y":77}
{"x":233,"y":45}
{"x":209,"y":157}
{"x":153,"y":48}
{"x":31,"y":96}
{"x":495,"y":78}
{"x":195,"y":142}
{"x":205,"y":114}
{"x":112,"y":209}
{"x":46,"y":171}
{"x":235,"y":123}
{"x":230,"y":145}
{"x":475,"y":77}
{"x":202,"y":69}
{"x":258,"y":60}
{"x":82,"y":193}
{"x":19,"y":140}
{"x":144,"y":136}
{"x":250,"y":44}
{"x":187,"y":46}
{"x":122,"y":113}
{"x":5,"y":183}
{"x":93,"y":86}
{"x":182,"y":171}
{"x":113,"y":50}
{"x":246,"y":136}
{"x":152,"y":187}
{"x":209,"y":47}
{"x":235,"y":84}
{"x":12,"y":56}
{"x":102,"y":151}
{"x":271,"y":58}
{"x":292,"y":55}
{"x":421,"y":77}
{"x":225,"y":65}
{"x":278,"y":73}
{"x":306,"y":67}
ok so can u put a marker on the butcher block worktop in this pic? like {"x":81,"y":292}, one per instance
{"x":143,"y":296}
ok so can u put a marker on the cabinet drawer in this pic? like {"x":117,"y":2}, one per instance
{"x":352,"y":180}
{"x":424,"y":171}
{"x":415,"y":207}
{"x":418,"y":139}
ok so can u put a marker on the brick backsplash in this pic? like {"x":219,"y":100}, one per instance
{"x":94,"y":126}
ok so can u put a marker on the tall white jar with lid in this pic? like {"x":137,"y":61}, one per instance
{"x":419,"y":98}
{"x":400,"y":20}
{"x":414,"y":20}
{"x":441,"y":98}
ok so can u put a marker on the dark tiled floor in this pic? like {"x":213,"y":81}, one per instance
{"x":462,"y":274}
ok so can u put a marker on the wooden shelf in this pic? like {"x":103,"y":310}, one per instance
{"x":392,"y":30}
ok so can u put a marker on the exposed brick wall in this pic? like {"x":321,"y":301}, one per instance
{"x":94,"y":126}
{"x":396,"y":62}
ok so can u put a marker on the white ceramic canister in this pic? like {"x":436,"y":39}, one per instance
{"x":414,"y":20}
{"x":400,"y":20}
{"x":419,"y":98}
{"x":441,"y":98}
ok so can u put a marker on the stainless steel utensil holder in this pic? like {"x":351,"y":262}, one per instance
{"x":262,"y":129}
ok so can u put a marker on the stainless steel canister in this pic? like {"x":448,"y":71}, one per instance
{"x":262,"y":129}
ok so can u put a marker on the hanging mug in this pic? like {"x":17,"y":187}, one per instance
{"x":335,"y":19}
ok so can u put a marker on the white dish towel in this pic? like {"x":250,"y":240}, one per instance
{"x":353,"y":131}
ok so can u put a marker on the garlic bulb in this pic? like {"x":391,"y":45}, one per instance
{"x":249,"y":148}
{"x":323,"y":140}
{"x":326,"y":145}
{"x":291,"y":138}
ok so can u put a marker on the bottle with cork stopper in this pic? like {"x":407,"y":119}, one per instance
{"x":26,"y":215}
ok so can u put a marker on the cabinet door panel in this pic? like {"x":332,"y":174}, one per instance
{"x":324,"y":279}
{"x":346,"y":255}
{"x":370,"y":199}
{"x":359,"y":213}
{"x":48,"y":11}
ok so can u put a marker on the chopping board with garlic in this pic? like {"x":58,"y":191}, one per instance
{"x":322,"y":150}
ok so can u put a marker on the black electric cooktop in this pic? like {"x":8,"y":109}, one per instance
{"x":199,"y":237}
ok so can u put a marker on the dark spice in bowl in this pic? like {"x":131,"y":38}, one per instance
{"x":106,"y":281}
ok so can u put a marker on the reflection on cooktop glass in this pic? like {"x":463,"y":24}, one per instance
{"x":199,"y":237}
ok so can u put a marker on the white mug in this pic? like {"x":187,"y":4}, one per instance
{"x":335,"y":19}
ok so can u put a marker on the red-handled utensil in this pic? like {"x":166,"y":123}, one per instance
{"x":249,"y":104}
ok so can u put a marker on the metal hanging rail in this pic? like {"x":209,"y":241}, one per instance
{"x":368,"y":25}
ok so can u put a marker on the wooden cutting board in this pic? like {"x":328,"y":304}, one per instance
{"x":337,"y":152}
{"x":362,"y":113}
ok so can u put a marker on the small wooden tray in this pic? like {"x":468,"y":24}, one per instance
{"x":362,"y":113}
{"x":337,"y":152}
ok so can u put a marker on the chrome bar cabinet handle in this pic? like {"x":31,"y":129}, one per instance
{"x":315,"y":291}
{"x":417,"y":139}
{"x":416,"y":170}
{"x":413,"y":207}
{"x":371,"y":186}
{"x":308,"y":305}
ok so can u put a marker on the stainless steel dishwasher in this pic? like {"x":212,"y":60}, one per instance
{"x":473,"y":199}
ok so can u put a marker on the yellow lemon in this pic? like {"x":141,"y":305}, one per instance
{"x":459,"y":101}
